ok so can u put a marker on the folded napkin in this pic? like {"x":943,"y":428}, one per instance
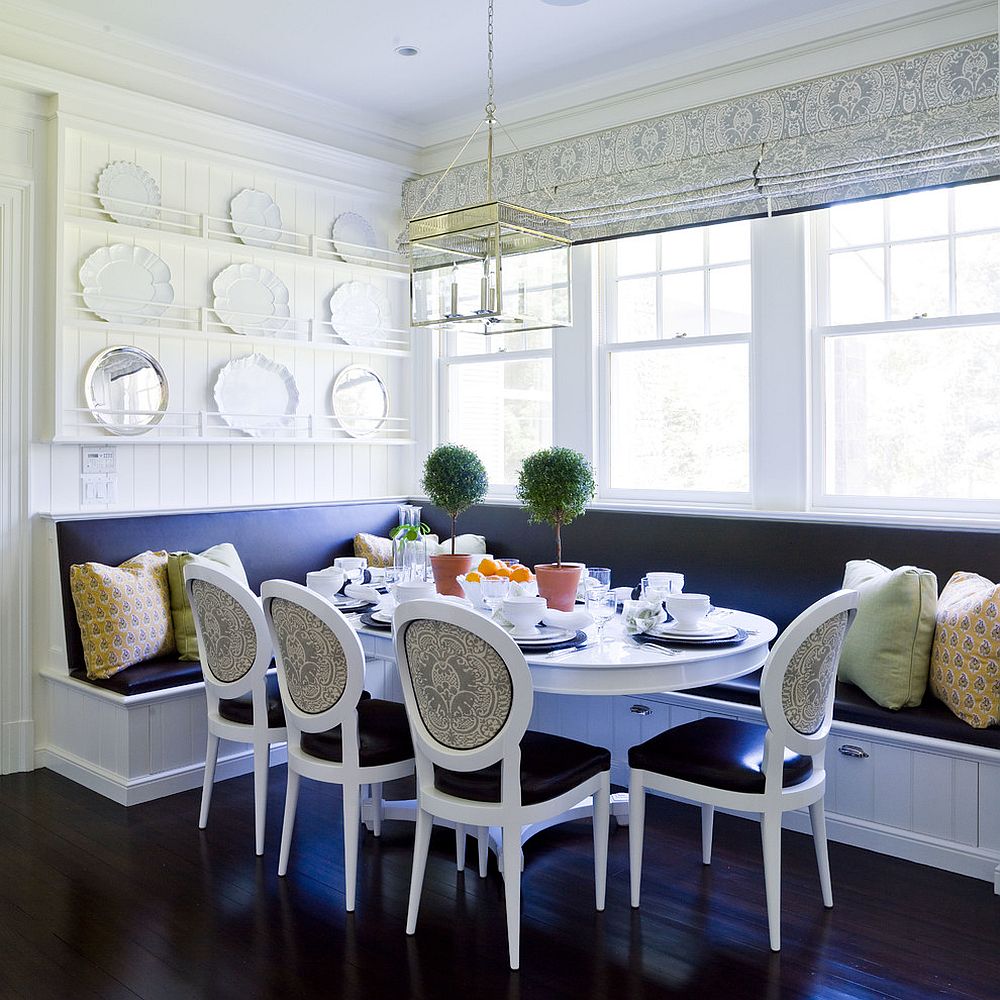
{"x":362,"y":592}
{"x":567,"y":619}
{"x":499,"y":618}
{"x":642,"y":617}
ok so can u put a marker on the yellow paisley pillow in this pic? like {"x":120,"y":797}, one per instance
{"x":123,"y":612}
{"x":377,"y":550}
{"x":965,"y":659}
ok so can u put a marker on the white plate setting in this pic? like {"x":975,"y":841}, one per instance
{"x":359,"y":312}
{"x":126,"y":284}
{"x":256,"y":395}
{"x":255,"y":218}
{"x":128,"y":193}
{"x":351,"y":233}
{"x":545,"y":634}
{"x":251,"y":300}
{"x":705,"y":632}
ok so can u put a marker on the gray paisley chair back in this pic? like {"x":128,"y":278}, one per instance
{"x":800,"y":677}
{"x":461,"y":685}
{"x":313,"y":658}
{"x":228,"y":636}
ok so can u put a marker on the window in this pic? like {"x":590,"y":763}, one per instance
{"x":676,"y":364}
{"x":497,"y":397}
{"x":908,"y":302}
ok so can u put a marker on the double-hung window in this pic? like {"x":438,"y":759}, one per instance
{"x":496,"y":398}
{"x":675,"y":365}
{"x":904,"y":348}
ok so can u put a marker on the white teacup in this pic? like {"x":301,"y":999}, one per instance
{"x":688,"y":609}
{"x":524,"y":613}
{"x":413,"y":590}
{"x":326,"y":582}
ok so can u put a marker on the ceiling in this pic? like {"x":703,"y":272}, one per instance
{"x":342,"y":50}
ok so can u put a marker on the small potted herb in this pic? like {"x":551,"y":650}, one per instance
{"x":454,"y":479}
{"x":555,"y":485}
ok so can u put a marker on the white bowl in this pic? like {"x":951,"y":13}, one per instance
{"x":413,"y":590}
{"x":326,"y":582}
{"x":472,"y":590}
{"x":688,"y":609}
{"x":524,"y":613}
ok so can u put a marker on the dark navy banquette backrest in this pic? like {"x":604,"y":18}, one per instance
{"x":283,"y":543}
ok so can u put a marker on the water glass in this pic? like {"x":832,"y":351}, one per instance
{"x":603,"y":608}
{"x":494,"y":590}
{"x":598,"y":579}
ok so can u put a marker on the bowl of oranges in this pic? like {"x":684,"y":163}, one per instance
{"x":522,"y":580}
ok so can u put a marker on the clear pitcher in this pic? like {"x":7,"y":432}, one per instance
{"x":409,"y":554}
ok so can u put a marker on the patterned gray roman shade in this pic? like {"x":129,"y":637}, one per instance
{"x":917,"y":122}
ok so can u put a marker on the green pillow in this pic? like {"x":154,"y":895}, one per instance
{"x":222,"y":556}
{"x":887,"y":652}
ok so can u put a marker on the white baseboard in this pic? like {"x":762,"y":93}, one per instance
{"x":153,"y":786}
{"x":18,"y":746}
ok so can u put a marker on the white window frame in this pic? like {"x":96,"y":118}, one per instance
{"x":821,"y":331}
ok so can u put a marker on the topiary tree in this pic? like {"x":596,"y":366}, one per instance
{"x":454,"y":479}
{"x":555,"y":485}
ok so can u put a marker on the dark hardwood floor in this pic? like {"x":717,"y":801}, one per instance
{"x":101,"y":901}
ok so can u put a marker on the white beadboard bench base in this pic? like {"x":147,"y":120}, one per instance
{"x":133,"y":748}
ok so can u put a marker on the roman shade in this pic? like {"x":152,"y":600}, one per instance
{"x":925,"y":120}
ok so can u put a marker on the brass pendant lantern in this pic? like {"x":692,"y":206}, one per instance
{"x":489,"y":268}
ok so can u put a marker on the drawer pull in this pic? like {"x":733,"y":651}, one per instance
{"x":641,"y":710}
{"x":850,"y":750}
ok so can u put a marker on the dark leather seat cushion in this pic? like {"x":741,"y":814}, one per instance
{"x":931,"y":718}
{"x":550,"y":766}
{"x":241,"y":709}
{"x":383,"y":733}
{"x":152,"y":675}
{"x":721,"y":753}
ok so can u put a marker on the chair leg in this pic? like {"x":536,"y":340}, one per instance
{"x":261,"y":766}
{"x":636,"y":822}
{"x":483,"y":843}
{"x":352,"y":819}
{"x":460,"y":846}
{"x":817,"y":817}
{"x":211,"y":756}
{"x":602,"y":830}
{"x":288,"y":823}
{"x":376,"y":794}
{"x":707,"y":822}
{"x":512,"y":891}
{"x":421,"y":844}
{"x":770,"y":831}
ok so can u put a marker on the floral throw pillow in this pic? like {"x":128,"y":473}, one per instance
{"x":965,"y":658}
{"x":123,"y":612}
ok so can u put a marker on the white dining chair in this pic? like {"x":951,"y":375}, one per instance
{"x":468,"y":697}
{"x":244,"y":704}
{"x":336,"y":733}
{"x":764,"y":769}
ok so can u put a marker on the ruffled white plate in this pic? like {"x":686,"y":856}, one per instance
{"x":351,"y":234}
{"x":126,"y":284}
{"x":256,"y":395}
{"x":251,"y":300}
{"x":256,"y":218}
{"x":128,"y":193}
{"x":359,"y":313}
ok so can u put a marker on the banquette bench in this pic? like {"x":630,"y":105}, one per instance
{"x":918,"y":783}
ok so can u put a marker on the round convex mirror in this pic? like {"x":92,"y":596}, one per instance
{"x":126,"y":390}
{"x":360,"y":401}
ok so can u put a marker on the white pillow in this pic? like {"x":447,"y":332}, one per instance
{"x":464,"y":545}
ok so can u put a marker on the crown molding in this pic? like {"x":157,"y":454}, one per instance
{"x":35,"y":33}
{"x":801,"y":49}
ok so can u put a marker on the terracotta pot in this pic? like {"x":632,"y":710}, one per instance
{"x":558,"y":584}
{"x":446,"y":569}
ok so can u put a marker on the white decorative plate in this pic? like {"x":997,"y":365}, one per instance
{"x":256,"y":395}
{"x":128,"y":193}
{"x":360,"y":401}
{"x":251,"y":300}
{"x":359,"y":313}
{"x":126,"y":284}
{"x":256,"y":218}
{"x":351,"y":234}
{"x":545,"y":634}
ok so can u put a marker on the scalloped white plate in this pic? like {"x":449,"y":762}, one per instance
{"x":128,"y":193}
{"x":251,"y":300}
{"x":360,"y":313}
{"x":352,"y":233}
{"x":255,"y":217}
{"x":256,"y":395}
{"x":126,"y":284}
